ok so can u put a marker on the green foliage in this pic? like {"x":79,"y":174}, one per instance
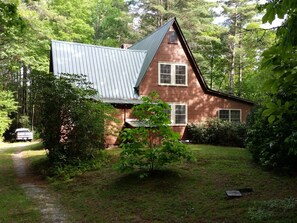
{"x":67,"y":171}
{"x":218,"y":132}
{"x":110,"y":20}
{"x":11,"y":24}
{"x":73,"y":125}
{"x":7,"y":106}
{"x":276,"y":121}
{"x":272,"y":145}
{"x":24,"y":121}
{"x":153,"y":144}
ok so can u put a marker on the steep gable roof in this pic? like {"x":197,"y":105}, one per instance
{"x":151,"y":44}
{"x":113,"y":71}
{"x":117,"y":73}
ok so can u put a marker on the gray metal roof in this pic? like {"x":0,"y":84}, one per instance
{"x":151,"y":43}
{"x":113,"y":71}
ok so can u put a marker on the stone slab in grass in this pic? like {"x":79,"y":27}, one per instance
{"x":233,"y":193}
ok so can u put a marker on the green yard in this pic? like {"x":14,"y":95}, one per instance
{"x":180,"y":193}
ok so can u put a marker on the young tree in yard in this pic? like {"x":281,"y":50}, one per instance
{"x":153,"y":143}
{"x":272,"y":137}
{"x":73,"y":125}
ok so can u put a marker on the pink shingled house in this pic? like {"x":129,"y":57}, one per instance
{"x":161,"y":62}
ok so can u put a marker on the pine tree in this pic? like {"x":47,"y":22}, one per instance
{"x":239,"y":13}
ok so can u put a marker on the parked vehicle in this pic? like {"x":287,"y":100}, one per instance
{"x":23,"y":134}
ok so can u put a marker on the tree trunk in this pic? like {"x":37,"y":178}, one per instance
{"x":233,"y":56}
{"x":240,"y":69}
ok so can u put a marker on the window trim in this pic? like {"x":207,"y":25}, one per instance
{"x":230,"y":109}
{"x":173,"y":116}
{"x":172,"y":74}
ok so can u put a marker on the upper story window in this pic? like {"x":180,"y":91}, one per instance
{"x":232,"y":115}
{"x":172,"y":37}
{"x":172,"y":74}
{"x":178,"y":114}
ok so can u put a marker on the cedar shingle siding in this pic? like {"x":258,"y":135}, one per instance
{"x":122,"y":76}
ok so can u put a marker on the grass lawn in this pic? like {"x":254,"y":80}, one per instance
{"x":193,"y":192}
{"x":14,"y":204}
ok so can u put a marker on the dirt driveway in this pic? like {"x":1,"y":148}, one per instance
{"x":37,"y":190}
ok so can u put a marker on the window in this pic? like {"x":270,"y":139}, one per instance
{"x":172,"y":74}
{"x":232,"y":115}
{"x":172,"y":37}
{"x":165,"y":74}
{"x":178,"y":114}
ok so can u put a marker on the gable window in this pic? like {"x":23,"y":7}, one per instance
{"x":178,"y":114}
{"x":172,"y":74}
{"x":172,"y":37}
{"x":232,"y":115}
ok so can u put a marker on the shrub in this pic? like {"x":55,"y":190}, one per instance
{"x":273,"y":145}
{"x":218,"y":132}
{"x":154,"y":143}
{"x":72,"y":124}
{"x":58,"y":171}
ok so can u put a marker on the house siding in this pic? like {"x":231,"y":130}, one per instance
{"x":201,"y":104}
{"x":123,"y":112}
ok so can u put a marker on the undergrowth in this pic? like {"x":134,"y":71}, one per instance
{"x":65,"y":172}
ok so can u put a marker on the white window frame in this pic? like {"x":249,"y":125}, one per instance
{"x":173,"y":115}
{"x":172,"y":74}
{"x":230,"y":118}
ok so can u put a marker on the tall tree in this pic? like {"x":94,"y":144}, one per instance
{"x":203,"y":37}
{"x":111,"y":23}
{"x":7,"y":106}
{"x":255,"y":40}
{"x":74,"y":20}
{"x":155,"y":13}
{"x":239,"y":13}
{"x":28,"y":26}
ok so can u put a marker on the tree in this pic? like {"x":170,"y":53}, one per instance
{"x":26,"y":28}
{"x":111,"y":23}
{"x":203,"y":37}
{"x":73,"y":125}
{"x":7,"y":106}
{"x":279,"y":111}
{"x":239,"y":13}
{"x":73,"y":21}
{"x":153,"y":143}
{"x":255,"y":41}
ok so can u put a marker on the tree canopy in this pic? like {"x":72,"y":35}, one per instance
{"x":273,"y":135}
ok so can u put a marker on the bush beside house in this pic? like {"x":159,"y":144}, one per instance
{"x":218,"y":132}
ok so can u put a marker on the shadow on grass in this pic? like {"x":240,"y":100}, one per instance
{"x":157,"y":180}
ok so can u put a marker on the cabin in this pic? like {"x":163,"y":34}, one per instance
{"x":161,"y":62}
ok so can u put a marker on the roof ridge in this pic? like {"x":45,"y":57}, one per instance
{"x":158,"y":29}
{"x":96,"y":46}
